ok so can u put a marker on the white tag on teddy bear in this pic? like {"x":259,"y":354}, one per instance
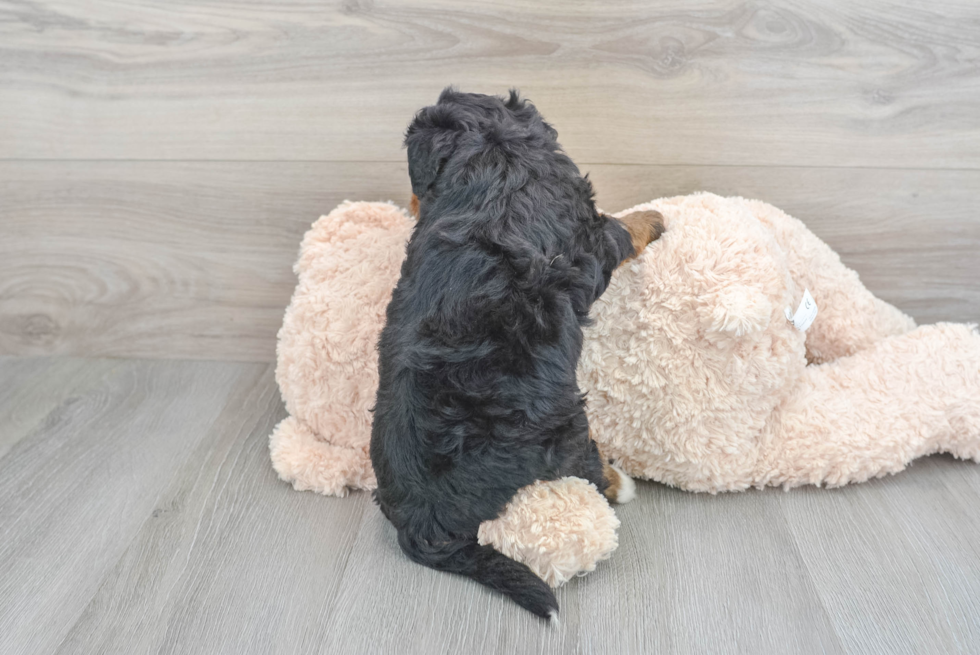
{"x":805,"y":313}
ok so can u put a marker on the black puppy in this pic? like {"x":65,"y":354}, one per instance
{"x":477,"y":395}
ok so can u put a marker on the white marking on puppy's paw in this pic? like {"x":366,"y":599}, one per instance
{"x":627,"y":488}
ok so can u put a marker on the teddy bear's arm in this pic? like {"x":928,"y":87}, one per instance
{"x":850,"y":318}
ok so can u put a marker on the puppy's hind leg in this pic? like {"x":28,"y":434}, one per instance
{"x":621,"y":488}
{"x":609,"y":479}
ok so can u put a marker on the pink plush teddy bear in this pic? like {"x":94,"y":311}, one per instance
{"x":736,"y":351}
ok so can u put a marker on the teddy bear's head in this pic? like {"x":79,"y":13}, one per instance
{"x":690,"y":350}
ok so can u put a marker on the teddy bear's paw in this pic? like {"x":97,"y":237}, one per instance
{"x":302,"y":459}
{"x":559,"y":529}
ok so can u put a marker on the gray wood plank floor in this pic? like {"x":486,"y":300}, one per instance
{"x":139,"y":513}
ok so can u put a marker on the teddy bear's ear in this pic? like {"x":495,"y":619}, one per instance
{"x":736,"y":310}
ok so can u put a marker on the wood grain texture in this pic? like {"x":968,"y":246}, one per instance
{"x":30,"y":389}
{"x":810,"y":82}
{"x":701,"y":573}
{"x":231,"y":560}
{"x":193,"y":259}
{"x":76,"y":490}
{"x":236,"y":123}
{"x":186,"y":542}
{"x":896,"y":562}
{"x":160,"y":260}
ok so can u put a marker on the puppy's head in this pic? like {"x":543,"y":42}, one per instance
{"x":444,"y":136}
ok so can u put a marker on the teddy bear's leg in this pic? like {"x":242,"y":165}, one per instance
{"x":872,"y":413}
{"x":850,"y":318}
{"x":310,"y":463}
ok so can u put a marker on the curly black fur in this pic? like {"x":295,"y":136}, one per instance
{"x":477,"y":395}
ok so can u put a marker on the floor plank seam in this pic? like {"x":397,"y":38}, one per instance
{"x":161,"y":495}
{"x":801,"y":558}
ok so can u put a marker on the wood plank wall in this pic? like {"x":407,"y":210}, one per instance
{"x":160,"y":160}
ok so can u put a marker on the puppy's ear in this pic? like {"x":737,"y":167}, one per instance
{"x":429,"y":147}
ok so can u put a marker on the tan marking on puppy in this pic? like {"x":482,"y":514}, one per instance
{"x":644,"y":227}
{"x":413,"y":207}
{"x":613,"y":479}
{"x":621,"y":487}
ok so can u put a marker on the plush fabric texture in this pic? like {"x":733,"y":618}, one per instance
{"x":327,"y":366}
{"x":697,"y":379}
{"x":560,"y":529}
{"x":694,"y":375}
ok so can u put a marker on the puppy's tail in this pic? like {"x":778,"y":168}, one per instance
{"x":486,"y":566}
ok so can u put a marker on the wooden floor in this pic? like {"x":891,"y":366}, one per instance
{"x":139,"y":514}
{"x":159,"y":163}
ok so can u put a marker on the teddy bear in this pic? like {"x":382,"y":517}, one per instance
{"x":735,"y":351}
{"x":706,"y":371}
